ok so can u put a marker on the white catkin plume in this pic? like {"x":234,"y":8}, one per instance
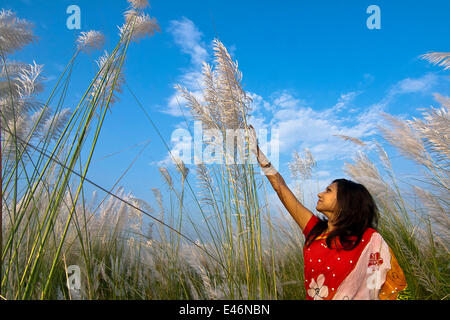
{"x":351,"y":139}
{"x":95,"y":275}
{"x":138,"y":4}
{"x":366,"y":173}
{"x":18,"y":127}
{"x":363,"y":167}
{"x":122,"y":215}
{"x":437,"y":209}
{"x":53,"y":126}
{"x":443,"y":100}
{"x":42,"y":116}
{"x":191,"y":256}
{"x":166,"y":175}
{"x":109,"y":70}
{"x":193,"y":289}
{"x":8,"y":85}
{"x":205,"y":183}
{"x":136,"y":216}
{"x":235,"y":103}
{"x":211,"y":95}
{"x":91,"y":40}
{"x":435,"y":128}
{"x":15,"y":33}
{"x":198,"y":110}
{"x":224,"y":104}
{"x":158,"y":197}
{"x":209,"y":287}
{"x":302,"y":166}
{"x":113,"y":213}
{"x":438,"y":58}
{"x":180,"y":166}
{"x":18,"y":83}
{"x":107,"y":208}
{"x":28,"y":80}
{"x":377,"y":188}
{"x":13,"y":68}
{"x":406,"y":139}
{"x":383,"y":157}
{"x":141,"y":25}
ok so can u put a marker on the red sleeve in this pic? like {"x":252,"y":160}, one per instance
{"x":311,"y":223}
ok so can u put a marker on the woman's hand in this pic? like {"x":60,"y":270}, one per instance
{"x":263,"y":161}
{"x":300,"y":214}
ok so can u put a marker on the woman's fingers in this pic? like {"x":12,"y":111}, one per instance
{"x":253,"y":140}
{"x":254,"y":147}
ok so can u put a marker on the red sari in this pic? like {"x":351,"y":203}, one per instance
{"x":369,"y":271}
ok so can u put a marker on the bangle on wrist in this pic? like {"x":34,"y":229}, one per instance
{"x":266,"y":165}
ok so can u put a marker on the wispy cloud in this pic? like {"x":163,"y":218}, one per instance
{"x":189,"y":38}
{"x":423,"y":84}
{"x":176,"y":104}
{"x":344,"y":100}
{"x":411,"y":85}
{"x":301,"y":126}
{"x":284,"y":99}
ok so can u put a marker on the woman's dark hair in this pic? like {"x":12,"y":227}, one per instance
{"x":357,"y":212}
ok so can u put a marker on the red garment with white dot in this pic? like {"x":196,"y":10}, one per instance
{"x":326,"y":268}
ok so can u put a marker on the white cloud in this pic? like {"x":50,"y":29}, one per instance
{"x":344,"y":100}
{"x":421,"y":84}
{"x":259,"y":104}
{"x":286,"y":100}
{"x":192,"y":79}
{"x":189,"y":38}
{"x":177,"y":104}
{"x":303,"y":127}
{"x":162,"y":163}
{"x":410,"y":85}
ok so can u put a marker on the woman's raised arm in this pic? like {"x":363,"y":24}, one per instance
{"x":299,"y":212}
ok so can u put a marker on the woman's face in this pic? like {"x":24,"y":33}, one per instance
{"x":327,"y":203}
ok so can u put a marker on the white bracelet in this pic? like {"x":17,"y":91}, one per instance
{"x":268,"y":164}
{"x":269,"y":170}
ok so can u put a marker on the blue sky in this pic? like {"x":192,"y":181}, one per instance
{"x":313,"y":69}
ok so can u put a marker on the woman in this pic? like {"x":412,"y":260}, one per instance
{"x":344,"y":256}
